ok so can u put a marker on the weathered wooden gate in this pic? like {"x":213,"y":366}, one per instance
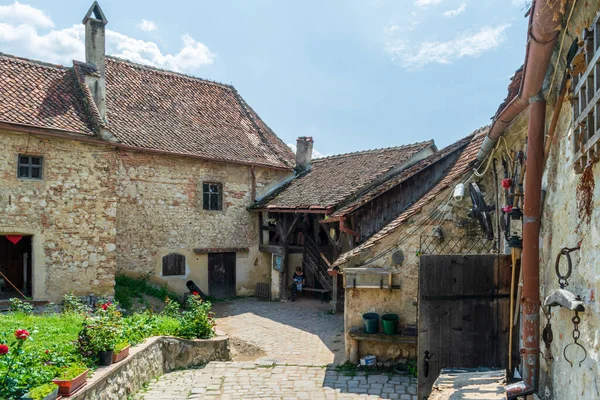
{"x":221,"y":275}
{"x":463,"y":314}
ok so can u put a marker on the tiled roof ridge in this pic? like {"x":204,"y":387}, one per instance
{"x":33,"y":62}
{"x":162,"y":71}
{"x":252,"y":115}
{"x":368,"y":151}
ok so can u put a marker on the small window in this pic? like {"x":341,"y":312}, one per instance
{"x":173,"y":264}
{"x":30,"y":167}
{"x":213,"y":196}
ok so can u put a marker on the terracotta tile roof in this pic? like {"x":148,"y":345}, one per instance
{"x":458,"y":171}
{"x":41,"y":95}
{"x":513,"y":88}
{"x":156,"y":109}
{"x":334,"y":179}
{"x":394,"y":181}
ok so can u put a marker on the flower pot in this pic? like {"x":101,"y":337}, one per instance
{"x":70,"y":386}
{"x":120,"y":356}
{"x":105,"y":358}
{"x":50,"y":396}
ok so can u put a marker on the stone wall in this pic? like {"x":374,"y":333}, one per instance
{"x":402,"y":298}
{"x":153,"y":358}
{"x":562,"y":227}
{"x":160,"y":212}
{"x":70,"y":213}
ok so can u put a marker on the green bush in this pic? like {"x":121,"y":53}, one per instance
{"x":72,"y":304}
{"x":129,"y":289}
{"x":16,"y":305}
{"x":197,"y":321}
{"x":42,"y":391}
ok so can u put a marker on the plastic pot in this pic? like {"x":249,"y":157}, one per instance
{"x":371,"y":322}
{"x":105,"y":358}
{"x":70,"y":386}
{"x":390,"y":323}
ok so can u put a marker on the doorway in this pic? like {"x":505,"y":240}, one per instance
{"x":15,"y":265}
{"x":221,"y":275}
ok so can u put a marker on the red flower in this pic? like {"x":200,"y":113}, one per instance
{"x":105,"y":305}
{"x":21,"y":334}
{"x":195,"y":293}
{"x":3,"y":349}
{"x":47,"y":351}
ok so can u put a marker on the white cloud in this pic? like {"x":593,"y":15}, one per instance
{"x":315,"y":153}
{"x":18,"y":14}
{"x":521,"y":3}
{"x":147,"y":26}
{"x":425,"y":3}
{"x":453,"y":13}
{"x":467,"y":44}
{"x":64,"y":45}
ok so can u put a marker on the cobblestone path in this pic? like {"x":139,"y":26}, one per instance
{"x":281,"y":351}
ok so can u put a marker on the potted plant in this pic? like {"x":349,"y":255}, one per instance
{"x":101,"y":333}
{"x":48,"y":391}
{"x":121,"y":352}
{"x":71,"y":379}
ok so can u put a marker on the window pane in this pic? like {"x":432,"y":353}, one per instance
{"x":23,"y":172}
{"x":23,"y":160}
{"x":35,"y":172}
{"x":214,"y":188}
{"x":205,"y":201}
{"x":205,"y":187}
{"x":214,"y":202}
{"x":35,"y":160}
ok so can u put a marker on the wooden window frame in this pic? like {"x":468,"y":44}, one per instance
{"x":586,"y":102}
{"x":206,"y":201}
{"x":30,"y":167}
{"x":180,"y":258}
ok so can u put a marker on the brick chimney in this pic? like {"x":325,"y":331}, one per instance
{"x":304,"y":147}
{"x":95,"y":54}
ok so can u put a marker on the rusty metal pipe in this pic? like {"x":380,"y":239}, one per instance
{"x":542,"y":36}
{"x":530,"y":330}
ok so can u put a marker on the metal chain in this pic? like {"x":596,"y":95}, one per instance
{"x":562,"y":279}
{"x":576,"y":334}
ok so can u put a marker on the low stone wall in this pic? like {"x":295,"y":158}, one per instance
{"x":155,"y":357}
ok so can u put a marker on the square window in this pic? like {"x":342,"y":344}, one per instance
{"x":212,"y":196}
{"x":29,"y":167}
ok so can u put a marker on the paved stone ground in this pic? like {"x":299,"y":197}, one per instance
{"x":281,"y":351}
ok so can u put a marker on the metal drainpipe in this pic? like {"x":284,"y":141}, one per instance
{"x":531,"y":232}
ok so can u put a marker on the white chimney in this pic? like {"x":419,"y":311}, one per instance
{"x":304,"y":147}
{"x":95,"y":39}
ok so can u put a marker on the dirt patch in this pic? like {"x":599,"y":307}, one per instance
{"x":244,"y":351}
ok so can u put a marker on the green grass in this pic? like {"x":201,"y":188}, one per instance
{"x":128,"y":290}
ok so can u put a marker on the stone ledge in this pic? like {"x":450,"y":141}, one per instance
{"x":154,"y":357}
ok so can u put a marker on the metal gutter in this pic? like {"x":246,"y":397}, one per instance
{"x":542,"y":33}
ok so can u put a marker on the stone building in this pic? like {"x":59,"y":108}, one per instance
{"x":111,"y":167}
{"x":381,"y":274}
{"x":559,"y":134}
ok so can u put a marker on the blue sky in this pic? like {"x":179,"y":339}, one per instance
{"x":353,"y":74}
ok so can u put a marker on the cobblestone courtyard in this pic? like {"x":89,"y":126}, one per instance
{"x":280,"y":351}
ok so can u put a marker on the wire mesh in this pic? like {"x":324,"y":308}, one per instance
{"x":432,"y":245}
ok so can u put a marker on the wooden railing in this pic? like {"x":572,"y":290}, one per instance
{"x":314,"y":261}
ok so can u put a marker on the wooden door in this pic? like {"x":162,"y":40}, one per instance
{"x":221,"y":275}
{"x":463,"y":314}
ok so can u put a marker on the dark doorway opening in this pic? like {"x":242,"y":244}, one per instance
{"x":221,"y":275}
{"x":15,"y":265}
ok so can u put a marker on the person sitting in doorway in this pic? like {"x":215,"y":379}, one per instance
{"x":298,"y":282}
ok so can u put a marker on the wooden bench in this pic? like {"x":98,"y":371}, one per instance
{"x":322,"y":291}
{"x":358,"y":334}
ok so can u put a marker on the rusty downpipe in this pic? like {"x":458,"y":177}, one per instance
{"x":530,"y":330}
{"x":542,"y":36}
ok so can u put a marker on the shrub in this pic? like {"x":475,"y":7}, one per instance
{"x":197,"y":322}
{"x":172,"y":308}
{"x":16,"y":305}
{"x":72,"y":304}
{"x":42,"y":391}
{"x":101,"y":332}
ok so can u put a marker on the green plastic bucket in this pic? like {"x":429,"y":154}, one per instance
{"x":371,"y":322}
{"x":390,"y":322}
